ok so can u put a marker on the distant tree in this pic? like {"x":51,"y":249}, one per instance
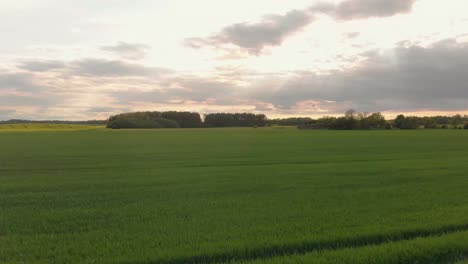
{"x":350,"y":121}
{"x":346,"y":123}
{"x":321,"y":123}
{"x":399,"y":121}
{"x":376,"y":121}
{"x":456,"y":120}
{"x":326,"y":122}
{"x":429,"y":122}
{"x":351,"y":113}
{"x":466,"y":126}
{"x":403,"y":122}
{"x":410,"y":123}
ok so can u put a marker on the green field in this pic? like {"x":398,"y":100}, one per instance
{"x":234,"y":196}
{"x":28,"y":127}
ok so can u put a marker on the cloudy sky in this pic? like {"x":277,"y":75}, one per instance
{"x":87,"y":59}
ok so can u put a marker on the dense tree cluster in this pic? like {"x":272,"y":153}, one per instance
{"x":184,"y":120}
{"x":410,"y":122}
{"x":430,"y":122}
{"x":155,"y":120}
{"x":352,"y":120}
{"x":292,"y":121}
{"x":235,"y":120}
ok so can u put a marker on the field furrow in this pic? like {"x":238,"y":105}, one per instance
{"x":447,"y":248}
{"x":270,"y":253}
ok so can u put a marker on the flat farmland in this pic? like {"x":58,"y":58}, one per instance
{"x":267,"y":195}
{"x":29,"y":127}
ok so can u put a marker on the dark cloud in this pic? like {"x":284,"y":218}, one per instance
{"x":361,"y":9}
{"x":41,"y":65}
{"x":23,"y":82}
{"x":113,"y":68}
{"x":83,"y":67}
{"x":24,"y":89}
{"x":272,"y":31}
{"x":254,"y":37}
{"x":128,"y":50}
{"x":410,"y":78}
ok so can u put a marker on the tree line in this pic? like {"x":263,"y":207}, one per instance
{"x":171,"y":119}
{"x":175,"y":119}
{"x":352,"y":120}
{"x":235,"y":120}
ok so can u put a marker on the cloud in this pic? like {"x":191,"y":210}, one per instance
{"x":273,"y":30}
{"x":101,"y":110}
{"x":182,"y":88}
{"x":43,"y":100}
{"x":254,"y":37}
{"x":361,"y":9}
{"x":405,"y":79}
{"x":26,"y":95}
{"x":41,"y":65}
{"x":352,"y":35}
{"x":6,"y":114}
{"x":83,"y":67}
{"x":113,"y":68}
{"x":23,"y":82}
{"x":128,"y":51}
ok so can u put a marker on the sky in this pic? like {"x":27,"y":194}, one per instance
{"x":87,"y":59}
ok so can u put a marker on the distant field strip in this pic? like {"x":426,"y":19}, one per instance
{"x":308,"y":247}
{"x":46,"y":127}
